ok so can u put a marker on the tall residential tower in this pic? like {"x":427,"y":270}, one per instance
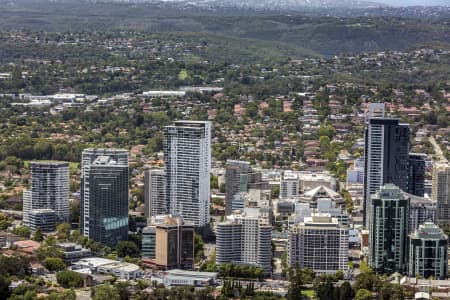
{"x":389,"y":230}
{"x":155,"y":193}
{"x":49,"y":191}
{"x":187,"y":157}
{"x":441,"y":191}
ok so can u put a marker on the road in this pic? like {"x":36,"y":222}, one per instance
{"x":437,"y":149}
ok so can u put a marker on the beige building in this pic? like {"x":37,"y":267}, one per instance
{"x":173,"y":244}
{"x":441,"y":191}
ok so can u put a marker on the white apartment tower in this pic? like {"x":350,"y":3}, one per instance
{"x":441,"y":191}
{"x":187,"y":158}
{"x":319,"y":243}
{"x":289,"y":186}
{"x":49,"y":190}
{"x":245,"y":239}
{"x":155,"y":193}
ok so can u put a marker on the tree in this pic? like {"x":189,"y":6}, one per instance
{"x":22,"y":231}
{"x":123,"y":290}
{"x":64,"y":295}
{"x":295,"y":284}
{"x":48,"y":249}
{"x":127,"y":248}
{"x":54,"y":264}
{"x":106,"y":291}
{"x":363,"y":294}
{"x":38,"y":236}
{"x":69,"y":279}
{"x":325,"y":290}
{"x":63,"y":231}
{"x":346,"y":291}
{"x":367,"y":281}
{"x":4,"y":287}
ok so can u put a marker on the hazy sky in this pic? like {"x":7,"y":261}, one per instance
{"x":414,"y":2}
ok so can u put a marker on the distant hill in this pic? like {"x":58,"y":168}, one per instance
{"x":274,"y":4}
{"x":323,"y":35}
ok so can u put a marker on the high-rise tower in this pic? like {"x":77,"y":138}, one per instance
{"x":187,"y":158}
{"x":104,"y":195}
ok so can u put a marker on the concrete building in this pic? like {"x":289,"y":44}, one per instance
{"x":312,"y":180}
{"x":169,"y":244}
{"x":186,"y":278}
{"x":239,"y":178}
{"x":389,"y":230}
{"x":49,"y":190}
{"x":155,"y":193}
{"x":311,"y":197}
{"x":428,"y":252}
{"x":386,"y":157}
{"x":289,"y":186}
{"x":187,"y":158}
{"x":92,"y":265}
{"x":319,"y":243}
{"x":104,"y":195}
{"x":421,"y":210}
{"x":44,"y":219}
{"x":245,"y":238}
{"x":441,"y":191}
{"x":73,"y":252}
{"x":355,"y":174}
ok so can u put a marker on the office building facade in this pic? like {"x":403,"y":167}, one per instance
{"x":389,"y":230}
{"x":155,"y":193}
{"x":187,"y":157}
{"x":428,"y":252}
{"x":168,"y":243}
{"x":319,"y":243}
{"x":104,"y":195}
{"x":49,"y":190}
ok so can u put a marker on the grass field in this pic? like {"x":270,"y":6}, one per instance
{"x":183,"y":75}
{"x":309,"y":293}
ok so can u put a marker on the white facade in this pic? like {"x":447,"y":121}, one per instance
{"x":49,"y":190}
{"x":187,"y":157}
{"x":355,"y":174}
{"x":100,"y":265}
{"x":289,"y":186}
{"x":245,"y":239}
{"x":155,"y":193}
{"x":320,"y":243}
{"x":441,"y":191}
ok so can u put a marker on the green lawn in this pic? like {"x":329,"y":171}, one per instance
{"x":183,"y":75}
{"x":309,"y":293}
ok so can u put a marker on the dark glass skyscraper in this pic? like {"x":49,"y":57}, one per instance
{"x":386,"y":157}
{"x":104,"y":195}
{"x":416,"y":178}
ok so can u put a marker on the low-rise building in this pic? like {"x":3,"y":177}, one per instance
{"x":100,"y":265}
{"x":73,"y":252}
{"x":178,"y":277}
